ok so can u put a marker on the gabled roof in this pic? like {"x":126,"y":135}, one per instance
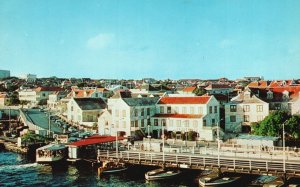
{"x":189,"y":89}
{"x":218,"y":86}
{"x":185,"y":100}
{"x":144,"y":101}
{"x":90,"y":103}
{"x":246,"y":97}
{"x":49,"y":89}
{"x":178,"y":116}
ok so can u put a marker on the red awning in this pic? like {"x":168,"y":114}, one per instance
{"x":96,"y":139}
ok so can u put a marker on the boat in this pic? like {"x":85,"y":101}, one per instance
{"x":215,"y":180}
{"x":162,"y":173}
{"x":51,"y":153}
{"x":112,"y":167}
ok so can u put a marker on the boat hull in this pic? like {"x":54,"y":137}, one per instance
{"x":217,"y":182}
{"x":161,"y":175}
{"x":114,"y":170}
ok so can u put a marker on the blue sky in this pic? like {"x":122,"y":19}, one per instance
{"x":151,"y":38}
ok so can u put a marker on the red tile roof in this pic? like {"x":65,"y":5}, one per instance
{"x":49,"y":89}
{"x":96,"y":139}
{"x":184,"y":100}
{"x":189,"y":89}
{"x":177,"y":116}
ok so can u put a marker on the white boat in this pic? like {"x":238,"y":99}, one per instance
{"x":214,"y":180}
{"x":112,"y":167}
{"x":51,"y":153}
{"x":160,"y":174}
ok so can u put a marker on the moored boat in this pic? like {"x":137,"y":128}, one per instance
{"x":215,"y":180}
{"x":112,"y":167}
{"x":51,"y":153}
{"x":160,"y":174}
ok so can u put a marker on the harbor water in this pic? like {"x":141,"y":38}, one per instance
{"x":16,"y":170}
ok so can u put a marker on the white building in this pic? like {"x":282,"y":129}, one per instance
{"x":4,"y":74}
{"x":131,"y":116}
{"x":38,"y":95}
{"x":218,"y":89}
{"x":54,"y":100}
{"x":85,"y":111}
{"x":243,"y":110}
{"x":30,"y":77}
{"x":184,"y":114}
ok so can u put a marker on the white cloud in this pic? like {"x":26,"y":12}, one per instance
{"x":100,"y":41}
{"x":226,"y":43}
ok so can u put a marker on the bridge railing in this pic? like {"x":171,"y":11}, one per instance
{"x":205,"y":160}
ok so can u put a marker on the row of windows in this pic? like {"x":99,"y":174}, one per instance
{"x":246,"y":118}
{"x":186,"y":123}
{"x":144,"y":123}
{"x":246,"y":108}
{"x":143,"y":112}
{"x":192,"y":110}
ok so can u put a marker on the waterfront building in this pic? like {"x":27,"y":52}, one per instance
{"x":183,"y":114}
{"x":85,"y":111}
{"x":29,"y":78}
{"x":244,"y":109}
{"x":131,"y":116}
{"x":4,"y":74}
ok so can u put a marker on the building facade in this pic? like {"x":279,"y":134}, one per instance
{"x":243,"y":110}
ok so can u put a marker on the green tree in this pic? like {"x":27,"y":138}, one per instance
{"x":292,"y":127}
{"x":199,"y":91}
{"x":272,"y":124}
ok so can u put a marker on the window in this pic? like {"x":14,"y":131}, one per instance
{"x":132,"y":123}
{"x":200,"y":110}
{"x":148,"y":111}
{"x":184,"y":110}
{"x":195,"y":123}
{"x":260,"y":118}
{"x":96,"y":94}
{"x":246,"y":118}
{"x":216,"y":109}
{"x":143,"y":122}
{"x":124,"y":113}
{"x":186,"y":124}
{"x":169,"y":110}
{"x":246,"y":108}
{"x":142,"y":112}
{"x":210,"y":109}
{"x":232,"y":118}
{"x":136,"y":112}
{"x":259,"y":108}
{"x":176,"y":110}
{"x":72,"y":108}
{"x":161,"y":109}
{"x":277,"y":106}
{"x":136,"y":123}
{"x":163,"y":122}
{"x":155,"y":122}
{"x":124,"y":124}
{"x":148,"y":122}
{"x":178,"y":123}
{"x":204,"y":123}
{"x":192,"y":110}
{"x":213,"y":121}
{"x":290,"y":106}
{"x":232,"y":108}
{"x":117,"y":113}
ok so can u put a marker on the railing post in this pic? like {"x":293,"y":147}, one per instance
{"x":139,"y":156}
{"x":176,"y":159}
{"x":107,"y":153}
{"x":151,"y":157}
{"x":267,"y":168}
{"x":128,"y":155}
{"x":250,"y":164}
{"x":190,"y":160}
{"x":204,"y":161}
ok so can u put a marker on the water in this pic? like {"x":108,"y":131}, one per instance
{"x":16,"y":170}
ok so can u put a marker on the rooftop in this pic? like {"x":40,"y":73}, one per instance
{"x":185,"y":100}
{"x":90,"y":103}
